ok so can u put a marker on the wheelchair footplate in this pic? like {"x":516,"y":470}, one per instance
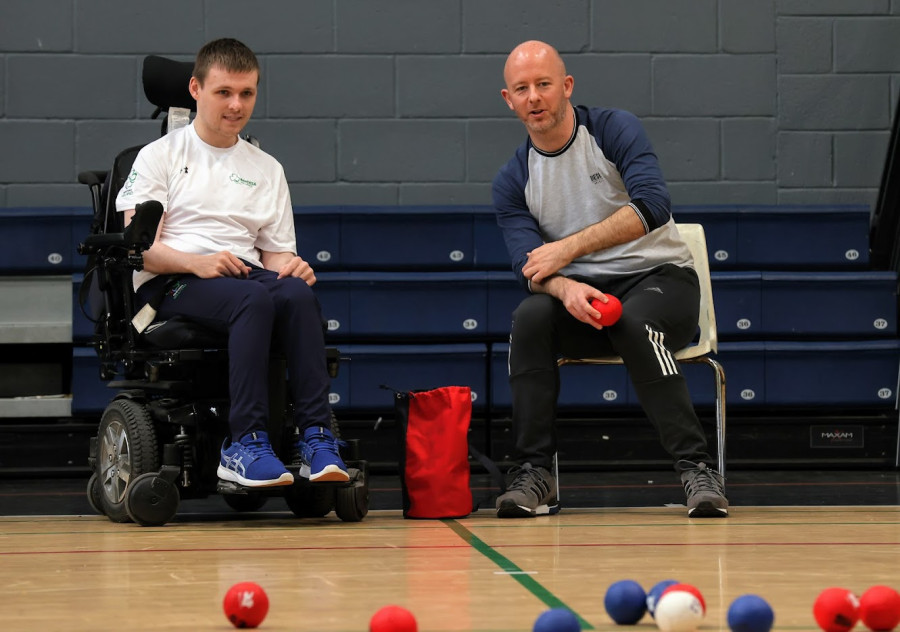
{"x":230,"y":487}
{"x":307,"y":499}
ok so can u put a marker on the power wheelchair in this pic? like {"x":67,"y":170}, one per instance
{"x":158,"y":439}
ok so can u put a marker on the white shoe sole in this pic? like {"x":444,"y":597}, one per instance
{"x":228,"y":475}
{"x":331,"y":473}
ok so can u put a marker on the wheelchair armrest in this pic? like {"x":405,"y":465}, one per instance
{"x":138,"y":235}
{"x":142,"y":229}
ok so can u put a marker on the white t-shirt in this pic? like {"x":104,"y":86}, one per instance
{"x":215,"y":199}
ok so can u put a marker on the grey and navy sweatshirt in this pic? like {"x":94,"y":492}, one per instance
{"x":608,"y":163}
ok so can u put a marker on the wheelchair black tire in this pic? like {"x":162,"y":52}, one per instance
{"x":94,"y":493}
{"x":251,"y":501}
{"x":351,"y":503}
{"x":126,"y":437}
{"x":309,"y":501}
{"x":151,"y":500}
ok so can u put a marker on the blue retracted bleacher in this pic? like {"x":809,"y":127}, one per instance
{"x":770,"y":374}
{"x":799,"y":237}
{"x":36,"y":240}
{"x":503,"y":296}
{"x":737,"y":299}
{"x":830,"y":304}
{"x":857,"y":373}
{"x":318,"y":231}
{"x":801,"y":320}
{"x":89,"y":393}
{"x":720,"y":226}
{"x":490,"y":249}
{"x":831,"y":237}
{"x":408,"y":238}
{"x":333,"y":292}
{"x":404,"y":368}
{"x":745,"y":364}
{"x":412,"y":304}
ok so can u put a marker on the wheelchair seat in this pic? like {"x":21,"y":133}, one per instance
{"x":158,"y":440}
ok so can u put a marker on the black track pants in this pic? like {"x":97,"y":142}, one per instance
{"x":660,"y":311}
{"x":252,"y":311}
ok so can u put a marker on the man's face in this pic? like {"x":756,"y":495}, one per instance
{"x":537,"y":90}
{"x":225,"y":102}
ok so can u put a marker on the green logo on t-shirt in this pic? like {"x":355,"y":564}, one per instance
{"x":129,"y":183}
{"x":238,"y":179}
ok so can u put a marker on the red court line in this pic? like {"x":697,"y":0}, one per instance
{"x":437,"y":547}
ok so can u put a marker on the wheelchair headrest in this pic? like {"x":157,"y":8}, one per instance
{"x":166,"y":83}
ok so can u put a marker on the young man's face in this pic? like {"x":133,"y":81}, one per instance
{"x":537,"y":90}
{"x":225,"y":102}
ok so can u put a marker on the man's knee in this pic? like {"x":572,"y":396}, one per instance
{"x":534,"y":314}
{"x":293,"y":294}
{"x":255,"y":299}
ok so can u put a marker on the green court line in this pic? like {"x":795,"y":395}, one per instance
{"x":507,"y":565}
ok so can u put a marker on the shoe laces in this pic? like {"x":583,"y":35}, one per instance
{"x":320,"y":440}
{"x":257,"y":447}
{"x":702,"y":479}
{"x":528,"y":478}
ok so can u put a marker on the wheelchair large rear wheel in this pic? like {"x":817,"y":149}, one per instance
{"x":127,"y":449}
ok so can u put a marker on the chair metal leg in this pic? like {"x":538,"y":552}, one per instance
{"x":720,"y":409}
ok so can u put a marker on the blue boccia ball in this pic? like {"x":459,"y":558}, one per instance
{"x":625,"y":602}
{"x":557,"y":620}
{"x":655,"y":593}
{"x":750,"y":613}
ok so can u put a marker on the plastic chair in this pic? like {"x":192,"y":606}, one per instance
{"x":698,"y":352}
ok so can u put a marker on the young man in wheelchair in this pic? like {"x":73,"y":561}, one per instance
{"x":225,"y":257}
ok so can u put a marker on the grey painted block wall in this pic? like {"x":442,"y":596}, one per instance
{"x":397,"y":101}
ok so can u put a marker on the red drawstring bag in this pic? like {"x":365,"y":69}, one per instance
{"x":434,"y":451}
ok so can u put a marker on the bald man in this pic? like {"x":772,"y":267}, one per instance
{"x":585,"y":211}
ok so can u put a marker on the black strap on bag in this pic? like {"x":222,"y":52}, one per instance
{"x":497,"y":477}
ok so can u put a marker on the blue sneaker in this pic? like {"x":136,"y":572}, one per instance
{"x":252,"y":463}
{"x":320,"y":458}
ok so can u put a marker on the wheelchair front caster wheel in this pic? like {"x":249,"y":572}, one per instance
{"x":251,"y":501}
{"x":151,"y":500}
{"x":351,"y":503}
{"x":309,"y":501}
{"x":95,"y":494}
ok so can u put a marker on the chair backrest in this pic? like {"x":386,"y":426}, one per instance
{"x":695,"y":237}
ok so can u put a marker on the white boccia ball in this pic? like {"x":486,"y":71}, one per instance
{"x":679,"y":611}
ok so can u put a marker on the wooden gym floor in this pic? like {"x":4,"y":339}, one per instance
{"x":790,"y":535}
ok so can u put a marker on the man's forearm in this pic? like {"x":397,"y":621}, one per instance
{"x":161,"y":259}
{"x":619,"y":228}
{"x":275,"y":260}
{"x":553,"y":286}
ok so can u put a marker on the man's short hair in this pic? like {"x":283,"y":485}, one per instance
{"x":226,"y":53}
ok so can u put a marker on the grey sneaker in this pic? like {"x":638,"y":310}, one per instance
{"x":705,"y":491}
{"x":532,"y":492}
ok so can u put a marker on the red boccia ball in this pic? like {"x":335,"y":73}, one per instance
{"x":246,"y":605}
{"x":393,"y":619}
{"x":609,"y":312}
{"x":879,"y":608}
{"x":836,"y":609}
